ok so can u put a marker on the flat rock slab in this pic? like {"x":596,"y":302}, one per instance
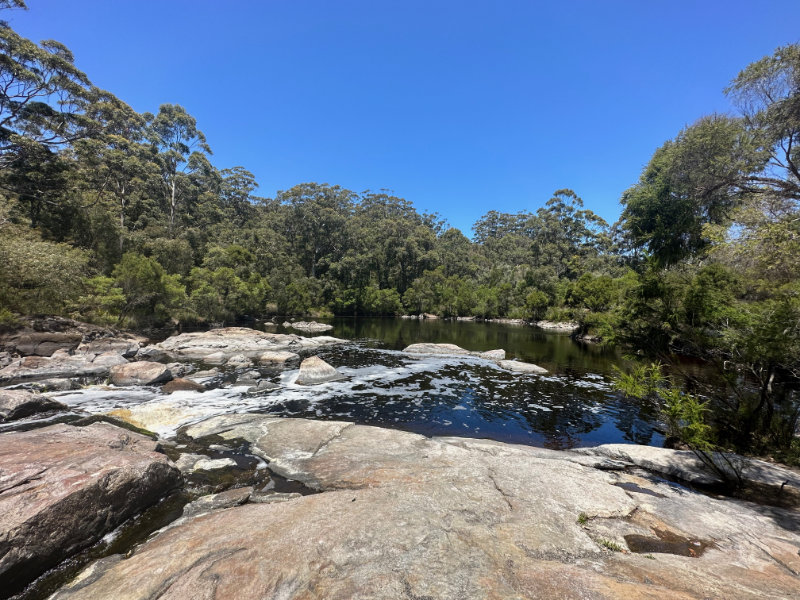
{"x":562,"y":326}
{"x":236,"y":340}
{"x":163,"y":416}
{"x":685,"y":465}
{"x":140,"y":373}
{"x":403,"y":516}
{"x":62,"y":488}
{"x":17,"y":404}
{"x":314,"y":371}
{"x":59,"y":365}
{"x":310,"y":326}
{"x":517,"y":366}
{"x":453,"y":350}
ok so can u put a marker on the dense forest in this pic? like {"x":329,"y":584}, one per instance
{"x":116,"y":217}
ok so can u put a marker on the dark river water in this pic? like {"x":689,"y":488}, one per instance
{"x":574,"y":405}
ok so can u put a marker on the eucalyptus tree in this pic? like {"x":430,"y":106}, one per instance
{"x":181,"y":149}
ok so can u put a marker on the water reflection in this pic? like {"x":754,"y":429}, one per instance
{"x":573,"y":406}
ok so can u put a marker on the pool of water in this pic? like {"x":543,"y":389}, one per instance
{"x":573,"y":405}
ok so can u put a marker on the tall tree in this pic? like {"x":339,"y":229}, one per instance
{"x":182,"y":148}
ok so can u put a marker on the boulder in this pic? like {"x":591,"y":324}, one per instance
{"x":493,"y":355}
{"x":182,"y":385}
{"x":140,"y":373}
{"x":278,"y":357}
{"x":404,"y":516}
{"x":519,"y":366}
{"x":62,"y":488}
{"x":215,"y":358}
{"x":17,"y":404}
{"x":314,"y":370}
{"x":310,"y":326}
{"x":429,"y":316}
{"x":236,"y":340}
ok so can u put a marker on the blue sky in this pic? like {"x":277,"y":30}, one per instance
{"x":460,"y":107}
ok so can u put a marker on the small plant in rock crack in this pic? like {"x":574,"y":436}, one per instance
{"x":583,"y":519}
{"x":614,"y":547}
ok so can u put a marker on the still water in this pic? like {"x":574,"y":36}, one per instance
{"x":574,"y":405}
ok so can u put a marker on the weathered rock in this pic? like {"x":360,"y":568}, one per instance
{"x":62,"y":488}
{"x":211,"y":502}
{"x":182,"y":385}
{"x":403,"y":516}
{"x":271,"y":497}
{"x":43,"y":343}
{"x":465,"y":318}
{"x":162,"y":417}
{"x":262,"y":386}
{"x":685,"y":465}
{"x":238,"y":361}
{"x":17,"y":404}
{"x":279,"y":357}
{"x":506,"y":321}
{"x":180,"y":369}
{"x":310,"y":326}
{"x":108,"y":360}
{"x":522,"y":367}
{"x":429,"y":316}
{"x":314,"y":370}
{"x":236,"y":340}
{"x":215,"y":358}
{"x":210,"y":373}
{"x":140,"y":373}
{"x":5,"y":359}
{"x":58,"y":384}
{"x":189,"y":463}
{"x":40,"y":367}
{"x":565,"y":326}
{"x":127,"y":347}
{"x":493,"y":355}
{"x":446,"y":349}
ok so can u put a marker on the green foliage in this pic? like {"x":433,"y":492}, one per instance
{"x":613,"y":546}
{"x":102,"y":301}
{"x":38,"y":276}
{"x":151,"y":294}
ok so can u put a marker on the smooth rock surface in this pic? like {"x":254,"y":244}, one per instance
{"x":17,"y":404}
{"x":493,"y":355}
{"x":314,"y":370}
{"x":62,"y":488}
{"x":162,"y":417}
{"x":278,"y":357}
{"x":563,"y":326}
{"x":236,"y":340}
{"x":79,"y":365}
{"x":522,"y":367}
{"x":43,"y":343}
{"x":140,"y":373}
{"x":445,"y":349}
{"x":403,"y":516}
{"x":685,"y":465}
{"x":182,"y":385}
{"x":310,"y":326}
{"x":189,"y":463}
{"x":226,"y":499}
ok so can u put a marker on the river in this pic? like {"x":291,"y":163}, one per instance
{"x":574,"y":405}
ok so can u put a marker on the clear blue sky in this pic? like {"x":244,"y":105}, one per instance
{"x":458,"y":106}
